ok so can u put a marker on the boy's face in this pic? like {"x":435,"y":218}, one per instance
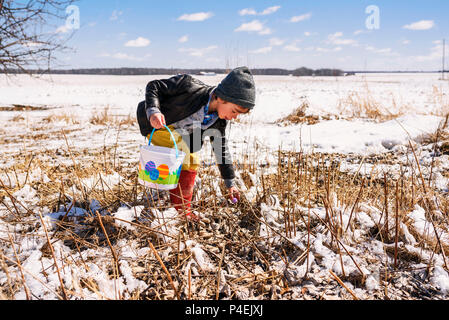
{"x":229,"y":111}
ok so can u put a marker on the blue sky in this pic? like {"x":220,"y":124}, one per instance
{"x":258,"y":33}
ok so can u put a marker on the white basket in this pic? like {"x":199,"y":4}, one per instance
{"x":160,"y":167}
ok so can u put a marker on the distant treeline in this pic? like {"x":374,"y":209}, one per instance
{"x":162,"y":71}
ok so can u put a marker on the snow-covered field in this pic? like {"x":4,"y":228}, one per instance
{"x":420,"y":100}
{"x":78,"y":122}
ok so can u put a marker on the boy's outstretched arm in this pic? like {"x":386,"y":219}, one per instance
{"x":225,"y":164}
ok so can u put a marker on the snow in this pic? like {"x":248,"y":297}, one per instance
{"x":440,"y":279}
{"x":128,"y":215}
{"x":330,"y":99}
{"x":420,"y":222}
{"x":372,"y":283}
{"x":340,"y":136}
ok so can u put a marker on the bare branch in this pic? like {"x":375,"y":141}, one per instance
{"x":25,"y":39}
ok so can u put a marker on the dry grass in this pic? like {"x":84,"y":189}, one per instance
{"x":440,"y":135}
{"x":104,"y":117}
{"x":299,"y":116}
{"x":440,"y":98}
{"x":57,"y":117}
{"x":230,"y":235}
{"x":364,"y":106}
{"x":18,"y":118}
{"x":19,"y":107}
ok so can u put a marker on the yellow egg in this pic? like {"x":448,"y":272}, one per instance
{"x":163,"y":171}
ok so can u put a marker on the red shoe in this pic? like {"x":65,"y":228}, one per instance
{"x":181,"y":197}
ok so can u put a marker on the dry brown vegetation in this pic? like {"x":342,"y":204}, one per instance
{"x":104,"y":117}
{"x":252,"y":254}
{"x":442,"y":99}
{"x":67,"y":118}
{"x":364,"y":106}
{"x":299,"y":116}
{"x":244,"y":258}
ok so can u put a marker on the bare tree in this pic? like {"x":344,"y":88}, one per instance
{"x":28,"y":38}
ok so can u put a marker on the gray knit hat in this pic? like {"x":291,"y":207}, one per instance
{"x":238,"y":87}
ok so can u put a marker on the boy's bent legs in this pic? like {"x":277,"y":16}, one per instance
{"x":181,"y":197}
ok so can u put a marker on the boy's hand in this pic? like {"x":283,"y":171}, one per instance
{"x":157,"y":121}
{"x":234,"y":193}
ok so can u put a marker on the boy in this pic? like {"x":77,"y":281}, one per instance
{"x":186,"y":104}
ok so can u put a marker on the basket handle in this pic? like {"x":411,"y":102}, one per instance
{"x":173,"y":138}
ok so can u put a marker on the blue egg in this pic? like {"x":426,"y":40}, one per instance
{"x":154,"y":174}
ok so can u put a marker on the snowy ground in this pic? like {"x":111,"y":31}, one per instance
{"x":66,"y":106}
{"x":421,"y":98}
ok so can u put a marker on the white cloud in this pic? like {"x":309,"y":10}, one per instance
{"x":199,"y":16}
{"x":248,"y":12}
{"x":336,"y":39}
{"x":262,"y":50}
{"x":420,"y":25}
{"x":276,"y":42}
{"x":336,"y":49}
{"x":405,"y":42}
{"x":434,"y":55}
{"x":183,"y":39}
{"x":301,"y":17}
{"x":310,"y":34}
{"x":336,"y":35}
{"x":254,"y":26}
{"x":124,"y":56}
{"x":357,"y":32}
{"x":115,"y":15}
{"x":270,"y":10}
{"x":140,"y":42}
{"x":252,"y":12}
{"x":197,"y":52}
{"x":292,"y":48}
{"x":384,"y":51}
{"x":265,"y":31}
{"x":62,"y":29}
{"x":344,"y":41}
{"x":32,"y":44}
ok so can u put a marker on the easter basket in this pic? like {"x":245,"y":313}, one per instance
{"x":160,"y":167}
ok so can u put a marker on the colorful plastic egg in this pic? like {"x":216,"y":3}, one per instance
{"x":154,"y":174}
{"x":150,"y":166}
{"x":163,"y":171}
